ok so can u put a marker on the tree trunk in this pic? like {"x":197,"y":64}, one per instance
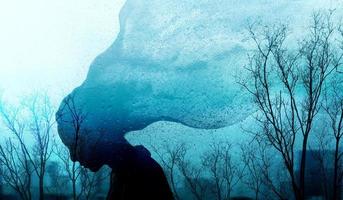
{"x":295,"y":187}
{"x":335,"y":175}
{"x":41,"y":187}
{"x":74,"y":181}
{"x":74,"y":190}
{"x":302,"y":169}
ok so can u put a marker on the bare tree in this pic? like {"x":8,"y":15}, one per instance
{"x":36,"y":117}
{"x":169,"y":160}
{"x":254,"y":177}
{"x":321,"y":154}
{"x":74,"y":117}
{"x":212,"y":161}
{"x":224,"y":171}
{"x":260,"y":165}
{"x":85,"y":184}
{"x":41,"y":113}
{"x":59,"y":180}
{"x":218,"y":162}
{"x":90,"y":182}
{"x":286,"y":114}
{"x":16,"y":168}
{"x":214,"y":177}
{"x":71,"y":168}
{"x":333,"y":106}
{"x":175,"y":162}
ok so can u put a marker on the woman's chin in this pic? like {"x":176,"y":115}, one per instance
{"x":92,"y":167}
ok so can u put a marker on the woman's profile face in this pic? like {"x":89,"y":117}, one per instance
{"x":94,"y":154}
{"x":92,"y":148}
{"x":84,"y":150}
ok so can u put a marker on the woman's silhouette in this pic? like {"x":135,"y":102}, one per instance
{"x":135,"y":174}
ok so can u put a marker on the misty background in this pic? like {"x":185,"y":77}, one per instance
{"x":48,"y":46}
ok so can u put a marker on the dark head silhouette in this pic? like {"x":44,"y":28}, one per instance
{"x":135,"y":175}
